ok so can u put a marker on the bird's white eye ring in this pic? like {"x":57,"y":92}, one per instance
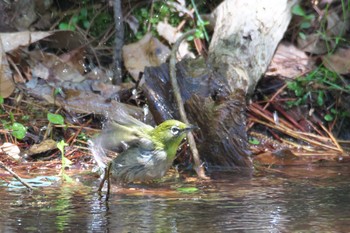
{"x":175,"y":130}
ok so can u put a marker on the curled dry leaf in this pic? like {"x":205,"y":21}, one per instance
{"x":11,"y":150}
{"x":149,"y":51}
{"x":171,"y":34}
{"x":42,"y":147}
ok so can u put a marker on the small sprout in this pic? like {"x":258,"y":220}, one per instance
{"x":320,"y":98}
{"x":18,"y":130}
{"x":328,"y":117}
{"x":55,"y":119}
{"x":254,"y":141}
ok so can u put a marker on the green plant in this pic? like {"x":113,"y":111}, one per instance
{"x":87,"y":18}
{"x":17,"y":129}
{"x":80,"y":19}
{"x":55,"y":119}
{"x":313,"y":88}
{"x":201,"y":32}
{"x":65,"y":162}
{"x":254,"y":141}
{"x":149,"y":17}
{"x":82,"y":137}
{"x":306,"y":19}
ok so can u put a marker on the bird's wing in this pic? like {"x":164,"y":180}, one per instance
{"x":116,"y":135}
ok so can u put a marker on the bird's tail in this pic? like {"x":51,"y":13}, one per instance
{"x":98,"y":152}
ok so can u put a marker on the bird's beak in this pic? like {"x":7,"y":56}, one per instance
{"x":190,"y":128}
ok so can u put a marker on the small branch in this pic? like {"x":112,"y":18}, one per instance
{"x":15,"y":176}
{"x":119,"y":41}
{"x":172,"y":65}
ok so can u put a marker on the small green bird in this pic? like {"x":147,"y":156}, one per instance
{"x":148,"y":152}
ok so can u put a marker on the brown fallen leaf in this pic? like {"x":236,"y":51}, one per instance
{"x":289,"y":61}
{"x":7,"y":85}
{"x":13,"y":40}
{"x":171,"y":34}
{"x":338,"y":62}
{"x":52,"y":68}
{"x":313,"y":43}
{"x":42,"y":147}
{"x":149,"y":51}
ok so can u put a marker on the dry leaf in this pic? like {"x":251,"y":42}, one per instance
{"x":50,"y":67}
{"x":149,"y":51}
{"x":171,"y":34}
{"x":338,"y":62}
{"x":336,"y":26}
{"x":313,"y":43}
{"x":11,"y":41}
{"x":289,"y":61}
{"x":11,"y":150}
{"x":42,"y":147}
{"x":7,"y":86}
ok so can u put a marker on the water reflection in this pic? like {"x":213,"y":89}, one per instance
{"x":259,"y":204}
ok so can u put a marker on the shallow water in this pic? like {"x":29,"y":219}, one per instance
{"x":288,"y":200}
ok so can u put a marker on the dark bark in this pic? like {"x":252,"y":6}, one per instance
{"x":219,"y":113}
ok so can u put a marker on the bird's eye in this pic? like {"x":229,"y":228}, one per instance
{"x":175,"y":130}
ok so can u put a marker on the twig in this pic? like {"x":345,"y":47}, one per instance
{"x":15,"y":176}
{"x":119,"y":41}
{"x":332,"y":137}
{"x":297,"y":135}
{"x":172,"y":65}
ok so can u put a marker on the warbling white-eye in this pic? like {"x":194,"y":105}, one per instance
{"x":149,"y":152}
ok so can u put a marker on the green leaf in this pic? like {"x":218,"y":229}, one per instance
{"x":297,"y":10}
{"x":83,"y":13}
{"x":302,"y":35}
{"x":67,"y":178}
{"x":63,"y":26}
{"x":57,"y":91}
{"x":299,"y":91}
{"x":61,"y":145}
{"x":74,"y":20}
{"x":12,"y":117}
{"x":1,"y":100}
{"x":320,"y":99}
{"x":328,"y":117}
{"x":187,"y":189}
{"x":25,"y":118}
{"x":254,"y":141}
{"x":305,"y":25}
{"x":18,"y":130}
{"x":65,"y":162}
{"x":86,"y":24}
{"x":190,"y":38}
{"x":199,"y":34}
{"x":55,"y":119}
{"x":310,"y":17}
{"x":334,"y":111}
{"x":164,"y":10}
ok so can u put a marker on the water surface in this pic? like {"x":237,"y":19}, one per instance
{"x":315,"y":199}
